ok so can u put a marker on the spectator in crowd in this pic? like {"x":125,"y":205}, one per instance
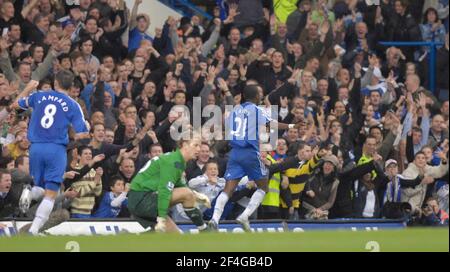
{"x":401,"y":25}
{"x":127,"y":169}
{"x":280,"y":153}
{"x":415,"y":196}
{"x":20,"y":146}
{"x":393,"y":189}
{"x":297,"y":17}
{"x":320,"y":190}
{"x":154,"y":151}
{"x":21,"y":177}
{"x":5,"y":196}
{"x":270,"y":206}
{"x":296,"y":171}
{"x":417,"y":136}
{"x":432,"y":28}
{"x":432,"y":215}
{"x":138,"y":24}
{"x":7,"y":162}
{"x":195,"y":168}
{"x":438,"y":131}
{"x":368,"y":192}
{"x":109,"y":136}
{"x":12,"y":185}
{"x":114,"y":200}
{"x":88,"y":186}
{"x":209,"y":184}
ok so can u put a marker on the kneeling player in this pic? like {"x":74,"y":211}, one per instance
{"x":159,"y":186}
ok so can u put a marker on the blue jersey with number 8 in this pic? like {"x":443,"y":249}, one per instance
{"x":244,"y":123}
{"x":53,"y":113}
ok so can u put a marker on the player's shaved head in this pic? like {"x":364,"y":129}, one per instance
{"x":251,"y":93}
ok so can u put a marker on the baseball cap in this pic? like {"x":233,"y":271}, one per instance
{"x":389,"y":162}
{"x":65,"y":23}
{"x":378,"y":90}
{"x":331,"y":158}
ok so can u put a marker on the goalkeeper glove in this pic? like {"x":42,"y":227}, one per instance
{"x":160,"y":225}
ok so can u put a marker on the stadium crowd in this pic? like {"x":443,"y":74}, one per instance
{"x":367,"y":105}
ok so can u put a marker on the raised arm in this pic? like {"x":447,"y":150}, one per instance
{"x":209,"y":44}
{"x":117,"y":202}
{"x":26,"y":10}
{"x":197,"y":182}
{"x":42,"y":71}
{"x":23,"y":96}
{"x":134,"y":12}
{"x":425,"y":125}
{"x":5,"y":61}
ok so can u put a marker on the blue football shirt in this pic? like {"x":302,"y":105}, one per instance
{"x":244,"y":123}
{"x":53,"y":113}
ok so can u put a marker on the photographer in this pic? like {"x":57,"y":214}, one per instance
{"x":432,"y":215}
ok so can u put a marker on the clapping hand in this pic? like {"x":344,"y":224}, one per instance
{"x":211,"y":74}
{"x":222,"y":84}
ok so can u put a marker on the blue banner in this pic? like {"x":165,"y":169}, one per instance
{"x":113,"y":227}
{"x":372,"y":225}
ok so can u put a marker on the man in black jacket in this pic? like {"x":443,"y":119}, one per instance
{"x":442,"y":72}
{"x":270,"y":73}
{"x":401,"y":26}
{"x":355,"y":185}
{"x":8,"y":199}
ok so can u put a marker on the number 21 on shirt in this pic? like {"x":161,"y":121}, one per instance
{"x":241,"y":126}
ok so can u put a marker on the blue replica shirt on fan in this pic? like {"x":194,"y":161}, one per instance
{"x":135,"y":38}
{"x":106,"y":208}
{"x":53,"y":112}
{"x":244,"y":123}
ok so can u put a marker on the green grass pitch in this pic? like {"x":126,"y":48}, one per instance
{"x":384,"y":241}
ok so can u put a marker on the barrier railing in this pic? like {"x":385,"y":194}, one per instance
{"x":188,"y":5}
{"x":431,"y":57}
